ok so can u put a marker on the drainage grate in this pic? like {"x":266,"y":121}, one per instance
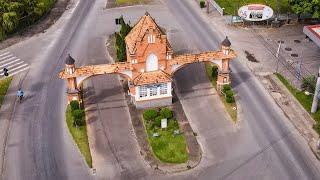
{"x":294,"y":55}
{"x":288,"y":49}
{"x":297,"y":41}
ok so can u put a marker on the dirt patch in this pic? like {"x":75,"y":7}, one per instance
{"x":251,"y":57}
{"x":39,"y":27}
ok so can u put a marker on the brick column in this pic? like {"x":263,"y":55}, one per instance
{"x":73,"y":92}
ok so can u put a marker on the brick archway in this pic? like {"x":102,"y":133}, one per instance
{"x":149,"y":88}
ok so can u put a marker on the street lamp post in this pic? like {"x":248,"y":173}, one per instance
{"x":315,"y":97}
{"x":208,"y":6}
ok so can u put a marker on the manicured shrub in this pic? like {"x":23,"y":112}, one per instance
{"x":229,"y":96}
{"x":229,"y":99}
{"x":78,"y":117}
{"x":74,"y":105}
{"x":150,"y":114}
{"x":166,"y":113}
{"x":309,"y":83}
{"x":202,"y":4}
{"x":214,"y":74}
{"x":226,"y":88}
{"x":157,"y":121}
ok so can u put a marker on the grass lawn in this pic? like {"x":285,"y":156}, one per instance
{"x":4,"y":85}
{"x":305,"y":101}
{"x":228,"y":106}
{"x":232,"y":6}
{"x":80,"y":136}
{"x":131,"y":2}
{"x":168,"y":148}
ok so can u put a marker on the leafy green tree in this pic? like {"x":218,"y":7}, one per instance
{"x":9,"y":21}
{"x":306,"y":7}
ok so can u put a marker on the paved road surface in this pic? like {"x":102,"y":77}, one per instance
{"x":265,"y":146}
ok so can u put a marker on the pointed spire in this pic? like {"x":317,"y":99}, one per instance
{"x":226,"y":42}
{"x":69,"y":60}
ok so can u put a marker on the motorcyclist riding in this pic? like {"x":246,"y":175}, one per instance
{"x":20,"y":94}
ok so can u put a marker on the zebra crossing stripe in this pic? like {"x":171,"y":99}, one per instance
{"x":6,"y":57}
{"x":11,"y":70}
{"x":4,"y":54}
{"x":3,"y":65}
{"x":12,"y":63}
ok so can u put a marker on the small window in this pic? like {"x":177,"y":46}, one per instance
{"x":151,"y":39}
{"x":143,"y":91}
{"x":163,"y":89}
{"x":153,"y":90}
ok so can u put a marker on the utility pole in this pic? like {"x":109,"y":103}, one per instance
{"x":277,"y":55}
{"x":208,"y":6}
{"x":316,"y":94}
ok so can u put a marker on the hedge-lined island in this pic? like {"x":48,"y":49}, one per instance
{"x":168,"y":144}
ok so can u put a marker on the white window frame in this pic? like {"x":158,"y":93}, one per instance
{"x":163,"y":89}
{"x":151,"y":39}
{"x":143,"y":91}
{"x":153,"y":90}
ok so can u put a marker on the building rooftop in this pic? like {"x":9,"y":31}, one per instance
{"x":153,"y":77}
{"x":137,"y":33}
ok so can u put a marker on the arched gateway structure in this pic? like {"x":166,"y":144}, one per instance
{"x":150,"y":65}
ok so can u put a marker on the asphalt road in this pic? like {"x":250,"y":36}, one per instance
{"x":265,"y":146}
{"x":39,"y":146}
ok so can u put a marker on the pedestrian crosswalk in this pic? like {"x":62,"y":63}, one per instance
{"x":12,"y":63}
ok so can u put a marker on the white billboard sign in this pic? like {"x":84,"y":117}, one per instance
{"x":255,"y":12}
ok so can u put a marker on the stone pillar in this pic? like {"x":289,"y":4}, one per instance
{"x":224,"y":70}
{"x":72,"y":90}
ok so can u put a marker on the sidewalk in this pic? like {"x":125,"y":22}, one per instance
{"x":246,"y":39}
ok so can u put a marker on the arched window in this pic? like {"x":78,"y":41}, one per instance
{"x":152,"y":63}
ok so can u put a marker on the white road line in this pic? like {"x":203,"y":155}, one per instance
{"x":16,"y":72}
{"x":3,"y":65}
{"x":8,"y":67}
{"x":6,"y":57}
{"x":4,"y":54}
{"x":11,"y":70}
{"x":10,"y":59}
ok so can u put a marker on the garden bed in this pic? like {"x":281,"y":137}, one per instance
{"x":78,"y":130}
{"x":168,"y":144}
{"x":230,"y":105}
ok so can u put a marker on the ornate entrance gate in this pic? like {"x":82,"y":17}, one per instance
{"x":150,"y":65}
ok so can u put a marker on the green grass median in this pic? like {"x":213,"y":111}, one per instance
{"x":304,"y":100}
{"x":229,"y":106}
{"x":79,"y":134}
{"x":4,"y":85}
{"x":167,"y":146}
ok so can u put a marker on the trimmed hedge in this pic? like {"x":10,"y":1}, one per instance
{"x":150,"y":114}
{"x":166,"y":113}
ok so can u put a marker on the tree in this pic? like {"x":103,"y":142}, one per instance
{"x":9,"y":21}
{"x":306,"y":7}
